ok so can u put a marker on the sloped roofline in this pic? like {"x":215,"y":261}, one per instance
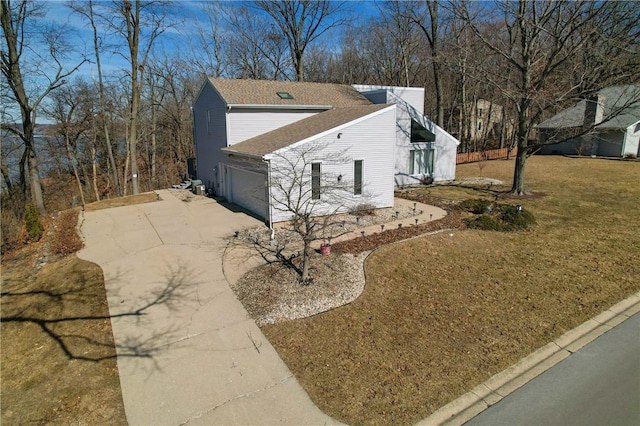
{"x":295,"y":134}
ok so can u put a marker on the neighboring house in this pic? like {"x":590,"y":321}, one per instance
{"x":246,"y":131}
{"x":485,"y":120}
{"x":606,"y":124}
{"x":423,"y":151}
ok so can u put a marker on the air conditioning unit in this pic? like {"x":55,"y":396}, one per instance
{"x":200,"y":190}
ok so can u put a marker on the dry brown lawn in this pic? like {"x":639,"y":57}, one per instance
{"x":58,"y":361}
{"x":441,"y":314}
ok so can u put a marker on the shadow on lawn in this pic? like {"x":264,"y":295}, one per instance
{"x":68,"y":304}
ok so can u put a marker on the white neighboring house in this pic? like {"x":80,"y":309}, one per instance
{"x":245,"y":129}
{"x":613,"y":114}
{"x":423,"y":150}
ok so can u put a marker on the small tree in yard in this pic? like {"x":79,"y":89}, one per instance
{"x":308,"y":189}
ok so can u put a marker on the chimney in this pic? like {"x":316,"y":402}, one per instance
{"x":593,"y":111}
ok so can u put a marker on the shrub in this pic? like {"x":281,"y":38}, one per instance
{"x":365,"y":209}
{"x":475,"y":205}
{"x":505,"y":218}
{"x":515,"y":220}
{"x":65,"y":238}
{"x":485,"y":222}
{"x":32,"y":223}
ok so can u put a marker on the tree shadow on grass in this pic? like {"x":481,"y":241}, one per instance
{"x":67,"y":302}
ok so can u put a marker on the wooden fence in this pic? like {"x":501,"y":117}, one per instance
{"x":491,"y":154}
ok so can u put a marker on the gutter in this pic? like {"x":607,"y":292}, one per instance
{"x":279,"y":106}
{"x":242,"y":154}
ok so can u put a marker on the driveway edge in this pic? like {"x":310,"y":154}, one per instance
{"x":502,"y":384}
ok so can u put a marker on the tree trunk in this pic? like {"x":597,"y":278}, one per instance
{"x":305,"y":262}
{"x":93,"y":167}
{"x":518,"y":173}
{"x":75,"y":169}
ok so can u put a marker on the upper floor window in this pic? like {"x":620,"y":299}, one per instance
{"x":420,"y":134}
{"x":209,"y":121}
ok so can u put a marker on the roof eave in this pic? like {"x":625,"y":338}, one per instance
{"x":280,"y":106}
{"x":230,"y":151}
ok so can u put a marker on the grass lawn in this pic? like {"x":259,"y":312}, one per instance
{"x":441,"y":314}
{"x":58,"y":361}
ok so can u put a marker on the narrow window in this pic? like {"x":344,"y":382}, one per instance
{"x":412,"y":161}
{"x":357,"y":177}
{"x":315,"y":181}
{"x":209,"y":121}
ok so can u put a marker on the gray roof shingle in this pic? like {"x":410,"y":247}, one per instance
{"x":303,"y":129}
{"x":621,"y":107}
{"x":263,"y":92}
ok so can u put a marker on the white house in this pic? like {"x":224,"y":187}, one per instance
{"x":245,"y":130}
{"x":607,"y":124}
{"x":423,"y":150}
{"x":247,"y":133}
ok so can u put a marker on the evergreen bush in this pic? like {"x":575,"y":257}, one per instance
{"x":32,"y":223}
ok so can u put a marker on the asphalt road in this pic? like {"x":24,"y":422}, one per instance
{"x":597,"y":385}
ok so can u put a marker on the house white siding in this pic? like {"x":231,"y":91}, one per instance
{"x":444,"y":152}
{"x":632,"y":140}
{"x":443,"y":149}
{"x":248,"y":123}
{"x":210,"y":134}
{"x":369,"y":139}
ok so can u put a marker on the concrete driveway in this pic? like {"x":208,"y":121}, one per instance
{"x":188,"y":352}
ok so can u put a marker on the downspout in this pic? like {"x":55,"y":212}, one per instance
{"x":270,"y":214}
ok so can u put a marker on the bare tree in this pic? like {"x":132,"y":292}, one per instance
{"x":44,"y":73}
{"x":72,"y":107}
{"x":257,"y":49}
{"x":302,"y":22}
{"x":541,"y":42}
{"x":427,"y":17}
{"x":138,"y":22}
{"x":307,"y":198}
{"x":86,"y":9}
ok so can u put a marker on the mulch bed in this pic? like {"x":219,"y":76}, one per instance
{"x":453,"y":220}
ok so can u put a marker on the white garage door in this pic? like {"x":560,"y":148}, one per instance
{"x":247,"y":189}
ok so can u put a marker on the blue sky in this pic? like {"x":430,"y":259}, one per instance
{"x":175,"y":38}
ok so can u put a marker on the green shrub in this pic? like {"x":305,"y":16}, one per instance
{"x":515,"y":220}
{"x":32,"y":223}
{"x":485,"y":222}
{"x":475,"y":205}
{"x":505,"y":218}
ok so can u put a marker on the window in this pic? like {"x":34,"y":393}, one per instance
{"x":421,"y":161}
{"x":479,"y":125}
{"x":209,"y":121}
{"x":285,"y":95}
{"x":315,"y":181}
{"x":357,"y":177}
{"x":420,"y":134}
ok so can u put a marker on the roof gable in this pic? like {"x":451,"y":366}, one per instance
{"x":264,"y":93}
{"x":300,"y":130}
{"x":621,"y":109}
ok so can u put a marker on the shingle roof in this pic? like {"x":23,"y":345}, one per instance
{"x":263,"y":92}
{"x":621,"y":105}
{"x":303,"y":129}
